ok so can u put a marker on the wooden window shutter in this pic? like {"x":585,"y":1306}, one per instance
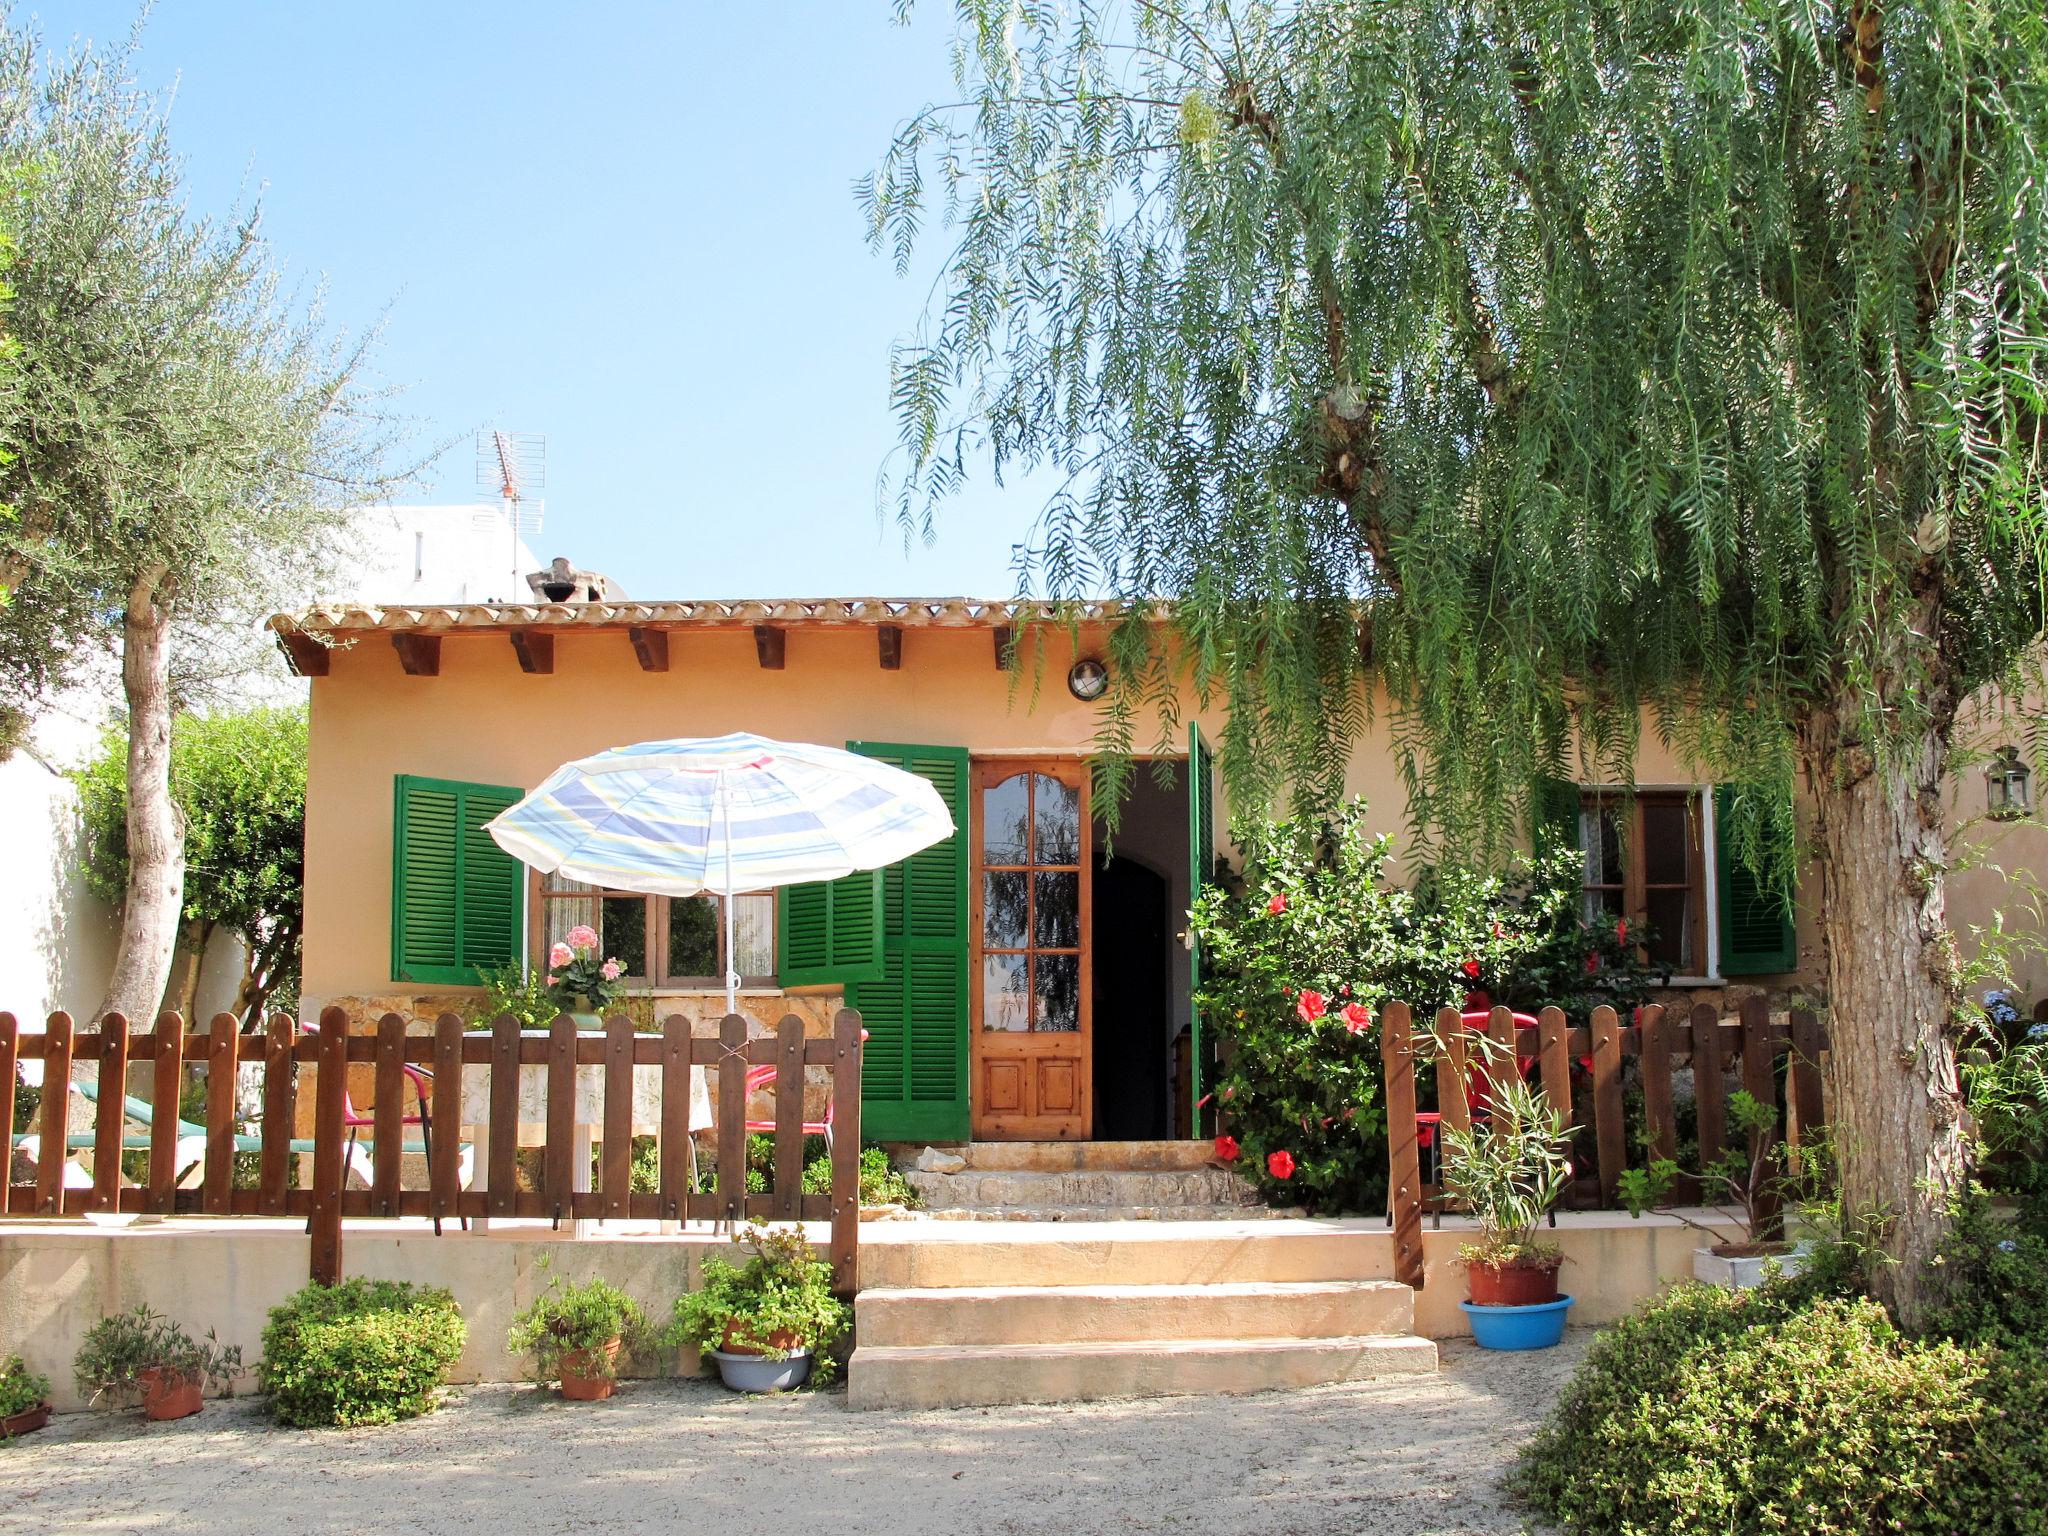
{"x":829,"y":932}
{"x":1757,"y":936}
{"x":914,"y":1066}
{"x":457,"y":898}
{"x":1556,"y":816}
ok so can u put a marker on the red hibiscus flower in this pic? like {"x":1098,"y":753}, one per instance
{"x":1280,"y":1164}
{"x":1357,"y":1018}
{"x":1498,"y":933}
{"x":1621,"y":931}
{"x":1311,"y":1006}
{"x":1592,"y":964}
{"x":1470,"y":967}
{"x":1278,"y":904}
{"x":1226,"y":1149}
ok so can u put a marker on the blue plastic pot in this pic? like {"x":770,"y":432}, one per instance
{"x":1534,"y":1327}
{"x":758,"y":1373}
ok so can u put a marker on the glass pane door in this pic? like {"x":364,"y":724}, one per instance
{"x":1031,"y":905}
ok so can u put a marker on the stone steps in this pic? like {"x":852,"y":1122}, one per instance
{"x":962,"y":1314}
{"x":1122,"y":1188}
{"x":952,"y":1376}
{"x":1068,"y":1156}
{"x":992,"y":1315}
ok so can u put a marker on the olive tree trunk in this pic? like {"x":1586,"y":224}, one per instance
{"x":1892,"y":994}
{"x":156,"y":836}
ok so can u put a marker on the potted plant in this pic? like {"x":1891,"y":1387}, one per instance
{"x":24,"y":1399}
{"x":144,"y":1355}
{"x":1508,"y":1173}
{"x":1748,"y":1182}
{"x":580,"y":984}
{"x":768,"y":1322}
{"x":576,"y":1334}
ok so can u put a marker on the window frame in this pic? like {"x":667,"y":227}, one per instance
{"x":1702,"y":859}
{"x":656,"y":917}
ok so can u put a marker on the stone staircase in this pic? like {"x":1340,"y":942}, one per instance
{"x":1079,"y":1181}
{"x":1131,"y":1270}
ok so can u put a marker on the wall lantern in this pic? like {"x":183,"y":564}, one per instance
{"x":1087,"y":679}
{"x":2008,"y":785}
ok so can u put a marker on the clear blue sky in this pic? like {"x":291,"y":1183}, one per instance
{"x":630,"y":227}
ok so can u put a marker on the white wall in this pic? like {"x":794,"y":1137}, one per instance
{"x":57,"y":939}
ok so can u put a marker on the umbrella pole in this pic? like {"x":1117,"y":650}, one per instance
{"x":732,"y":975}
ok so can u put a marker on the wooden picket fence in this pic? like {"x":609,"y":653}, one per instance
{"x":395,"y":1054}
{"x":1661,"y":1041}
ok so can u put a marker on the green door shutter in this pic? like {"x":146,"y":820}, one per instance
{"x":914,"y":1066}
{"x":457,"y":898}
{"x":829,"y":932}
{"x":1201,"y":864}
{"x":1755,"y":917}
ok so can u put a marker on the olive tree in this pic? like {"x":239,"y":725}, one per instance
{"x":185,"y":432}
{"x":1550,"y":370}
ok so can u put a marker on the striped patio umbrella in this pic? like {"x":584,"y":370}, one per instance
{"x":723,"y":814}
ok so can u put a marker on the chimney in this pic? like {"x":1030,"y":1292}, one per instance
{"x":562,"y":582}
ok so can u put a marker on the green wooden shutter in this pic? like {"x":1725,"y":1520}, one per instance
{"x":914,"y":1066}
{"x":457,"y":898}
{"x":829,"y":932}
{"x":1557,"y":822}
{"x":1201,"y":864}
{"x":1756,"y":931}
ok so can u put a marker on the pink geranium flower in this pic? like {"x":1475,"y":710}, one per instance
{"x":582,"y":936}
{"x":559,"y":956}
{"x":611,"y":970}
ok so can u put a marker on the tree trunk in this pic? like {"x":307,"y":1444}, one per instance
{"x":1892,"y":994}
{"x":156,"y":835}
{"x":188,"y":964}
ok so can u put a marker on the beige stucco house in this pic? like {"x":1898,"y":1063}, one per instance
{"x":1023,"y":980}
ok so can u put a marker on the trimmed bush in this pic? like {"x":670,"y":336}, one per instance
{"x":361,"y":1352}
{"x":1789,"y":1410}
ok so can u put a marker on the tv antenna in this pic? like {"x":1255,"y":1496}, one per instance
{"x":512,"y":466}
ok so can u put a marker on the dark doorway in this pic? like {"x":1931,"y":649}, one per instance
{"x":1132,"y":988}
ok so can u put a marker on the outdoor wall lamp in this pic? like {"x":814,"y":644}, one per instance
{"x":2008,"y":786}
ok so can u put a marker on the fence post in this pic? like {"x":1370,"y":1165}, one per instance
{"x":618,"y":1116}
{"x":330,"y":1085}
{"x":1554,"y":1054}
{"x":1653,"y":1038}
{"x":387,"y":1116}
{"x":56,"y":1132}
{"x":167,"y":1078}
{"x":444,"y":1172}
{"x":1809,"y":1109}
{"x":675,"y":1118}
{"x":279,"y":1092}
{"x":1609,"y":1135}
{"x":106,"y":1151}
{"x":217,"y":1197}
{"x":1404,"y":1169}
{"x":10,"y":1055}
{"x":732,"y":1118}
{"x":845,"y":1152}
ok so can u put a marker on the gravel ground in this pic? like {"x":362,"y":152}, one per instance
{"x":1411,"y":1456}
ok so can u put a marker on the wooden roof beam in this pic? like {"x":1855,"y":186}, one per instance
{"x":768,"y":646}
{"x":419,"y":654}
{"x":306,"y":656}
{"x":535,"y":649}
{"x":889,"y":641}
{"x":651,"y":646}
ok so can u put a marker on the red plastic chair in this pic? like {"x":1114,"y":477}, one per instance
{"x":759,"y":1079}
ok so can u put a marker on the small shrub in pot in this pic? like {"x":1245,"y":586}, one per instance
{"x":778,"y":1305}
{"x":24,"y":1399}
{"x":1749,"y":1181}
{"x":361,"y":1352}
{"x":143,"y":1356}
{"x":1509,"y":1171}
{"x":577,"y":1333}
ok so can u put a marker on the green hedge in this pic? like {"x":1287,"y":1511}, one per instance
{"x":1791,"y":1410}
{"x":361,"y":1352}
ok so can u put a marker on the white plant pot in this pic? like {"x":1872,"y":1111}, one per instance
{"x":1743,"y":1274}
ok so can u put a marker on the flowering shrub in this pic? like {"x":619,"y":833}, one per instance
{"x":1307,"y":944}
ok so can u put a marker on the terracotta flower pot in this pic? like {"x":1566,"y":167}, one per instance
{"x":170,"y":1394}
{"x":25,"y":1422}
{"x":1524,"y":1284}
{"x":587,"y":1375}
{"x":733,"y":1344}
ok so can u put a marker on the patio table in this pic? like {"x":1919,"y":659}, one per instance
{"x":589,"y":1116}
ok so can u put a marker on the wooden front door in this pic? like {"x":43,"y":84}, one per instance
{"x":1032,"y":1009}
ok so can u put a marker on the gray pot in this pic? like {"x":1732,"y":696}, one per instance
{"x":1744,"y":1274}
{"x":758,"y":1373}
